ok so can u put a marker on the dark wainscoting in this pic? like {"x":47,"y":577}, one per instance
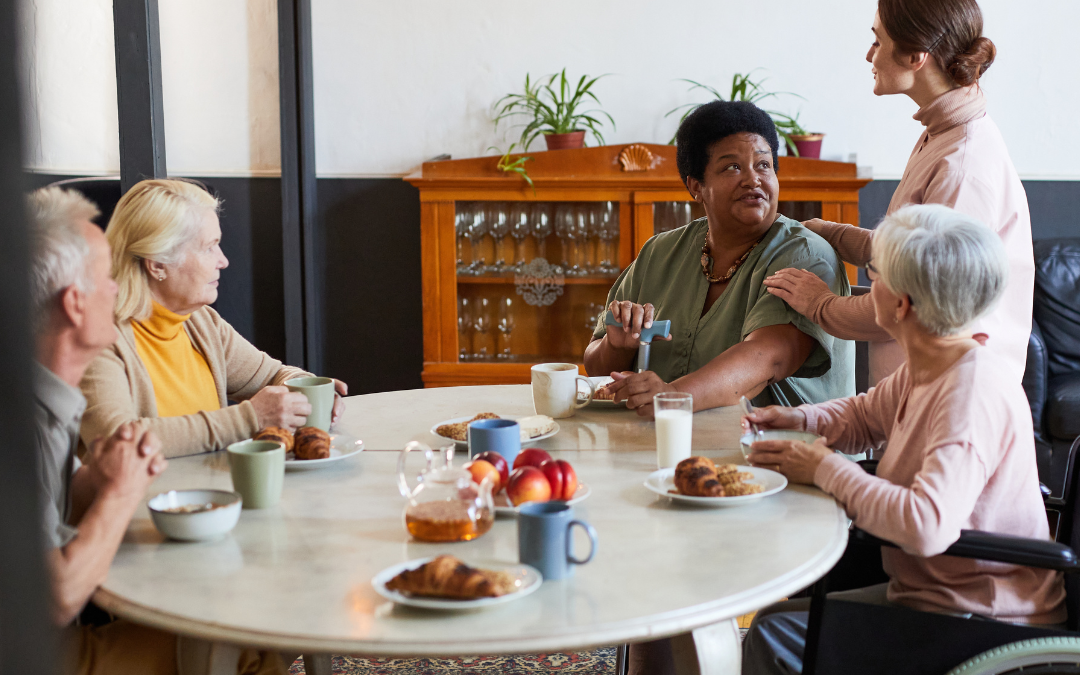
{"x":369,"y":238}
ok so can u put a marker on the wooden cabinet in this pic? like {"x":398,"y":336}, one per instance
{"x":487,"y":320}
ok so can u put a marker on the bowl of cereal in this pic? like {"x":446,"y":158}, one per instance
{"x":774,"y":435}
{"x":195,"y":515}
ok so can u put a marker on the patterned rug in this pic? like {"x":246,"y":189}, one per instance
{"x":599,"y":661}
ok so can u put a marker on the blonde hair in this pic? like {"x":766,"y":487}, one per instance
{"x":58,"y":249}
{"x":953,"y":267}
{"x":155,"y":221}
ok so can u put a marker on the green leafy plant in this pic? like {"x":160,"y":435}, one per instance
{"x":506,"y":165}
{"x":553,"y":105}
{"x":745,"y":89}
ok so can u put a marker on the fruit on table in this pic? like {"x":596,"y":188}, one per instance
{"x":499,"y":462}
{"x":481,"y":469}
{"x":561,"y":477}
{"x":528,"y":484}
{"x":531,"y":457}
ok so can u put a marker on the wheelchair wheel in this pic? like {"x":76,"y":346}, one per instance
{"x":1042,"y":656}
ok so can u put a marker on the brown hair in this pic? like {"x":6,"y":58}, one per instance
{"x":948,"y":30}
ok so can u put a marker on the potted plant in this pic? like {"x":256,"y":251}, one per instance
{"x":798,"y":141}
{"x":552,"y":107}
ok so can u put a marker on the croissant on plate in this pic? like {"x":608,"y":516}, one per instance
{"x":696,"y":477}
{"x":276,"y":435}
{"x":311,"y":443}
{"x":448,"y":577}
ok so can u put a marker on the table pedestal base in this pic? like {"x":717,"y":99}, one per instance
{"x":317,"y":664}
{"x":709,"y":650}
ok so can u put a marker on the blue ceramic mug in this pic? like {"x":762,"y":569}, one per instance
{"x":501,"y":436}
{"x":545,"y":538}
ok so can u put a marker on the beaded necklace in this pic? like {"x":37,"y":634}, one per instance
{"x":706,"y":260}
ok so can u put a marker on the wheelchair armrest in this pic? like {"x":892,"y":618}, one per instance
{"x":1000,"y":548}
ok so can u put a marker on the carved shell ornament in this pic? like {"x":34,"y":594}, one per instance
{"x":635,"y":157}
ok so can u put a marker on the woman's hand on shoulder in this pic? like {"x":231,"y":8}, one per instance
{"x":341,"y":390}
{"x":634,"y":318}
{"x":638,"y":389}
{"x":775,"y":417}
{"x":276,"y":406}
{"x":798,"y":288}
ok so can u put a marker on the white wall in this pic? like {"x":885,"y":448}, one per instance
{"x":399,"y":82}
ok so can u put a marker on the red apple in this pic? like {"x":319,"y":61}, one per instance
{"x":531,"y":457}
{"x":562,"y":478}
{"x":481,"y":469}
{"x":528,"y":484}
{"x":499,"y":462}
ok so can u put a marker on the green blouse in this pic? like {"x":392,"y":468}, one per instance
{"x":667,"y":273}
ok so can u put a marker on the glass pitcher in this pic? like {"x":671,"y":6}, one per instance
{"x":445,"y":505}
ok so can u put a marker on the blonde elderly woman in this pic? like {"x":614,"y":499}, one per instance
{"x":960,"y":453}
{"x":177,"y":363}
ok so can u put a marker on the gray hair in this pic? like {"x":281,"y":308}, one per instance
{"x":952,"y":266}
{"x":58,"y":249}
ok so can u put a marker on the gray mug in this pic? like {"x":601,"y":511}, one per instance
{"x":258,"y":472}
{"x":320,"y":394}
{"x":545,"y":536}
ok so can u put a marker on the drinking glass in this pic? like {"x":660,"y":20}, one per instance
{"x":482,"y":345}
{"x":464,"y":327}
{"x":609,"y":233}
{"x":461,"y":230}
{"x":564,"y":230}
{"x":498,"y":227}
{"x":593,"y":244}
{"x":541,"y":226}
{"x":580,"y":264}
{"x":519,"y":230}
{"x":674,"y":413}
{"x":506,"y":327}
{"x":477,"y":228}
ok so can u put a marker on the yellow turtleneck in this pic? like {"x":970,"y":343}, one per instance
{"x":183,"y":383}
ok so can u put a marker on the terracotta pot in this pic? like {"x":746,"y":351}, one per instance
{"x":809,"y":145}
{"x":570,"y":141}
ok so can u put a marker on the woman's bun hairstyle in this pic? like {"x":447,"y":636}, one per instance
{"x":948,"y":30}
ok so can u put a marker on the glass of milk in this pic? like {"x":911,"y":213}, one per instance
{"x":674,"y":413}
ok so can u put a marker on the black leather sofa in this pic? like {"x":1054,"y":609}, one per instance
{"x":1052,"y":377}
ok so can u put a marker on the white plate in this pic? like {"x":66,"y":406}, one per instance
{"x":599,"y":403}
{"x":455,"y":420}
{"x":503,"y":507}
{"x":528,"y":580}
{"x":663,"y":480}
{"x":342,"y":446}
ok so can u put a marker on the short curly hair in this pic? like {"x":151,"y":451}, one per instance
{"x":714,"y":121}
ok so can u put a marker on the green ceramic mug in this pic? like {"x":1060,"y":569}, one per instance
{"x":258,"y":472}
{"x":320,"y":394}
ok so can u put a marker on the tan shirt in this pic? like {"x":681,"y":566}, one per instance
{"x":961,"y":457}
{"x":118,"y":389}
{"x":960,"y":161}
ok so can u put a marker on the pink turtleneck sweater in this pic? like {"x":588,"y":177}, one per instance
{"x":961,"y":456}
{"x":960,"y":161}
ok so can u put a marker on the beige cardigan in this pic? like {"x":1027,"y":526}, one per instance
{"x":118,"y":389}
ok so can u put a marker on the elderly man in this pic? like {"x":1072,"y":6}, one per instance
{"x":88,"y":505}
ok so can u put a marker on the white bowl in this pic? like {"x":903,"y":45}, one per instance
{"x":774,"y":435}
{"x":199,"y":525}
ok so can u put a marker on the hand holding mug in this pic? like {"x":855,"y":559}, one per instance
{"x":279,"y":407}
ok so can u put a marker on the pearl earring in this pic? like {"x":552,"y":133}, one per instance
{"x":161,"y":277}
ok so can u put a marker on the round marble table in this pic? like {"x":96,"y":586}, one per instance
{"x":297,"y":576}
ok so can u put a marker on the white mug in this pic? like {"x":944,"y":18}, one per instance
{"x":554,"y":389}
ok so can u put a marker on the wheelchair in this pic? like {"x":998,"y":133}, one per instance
{"x":849,"y":637}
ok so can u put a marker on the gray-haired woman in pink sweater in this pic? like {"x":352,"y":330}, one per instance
{"x":961,"y":448}
{"x":934,"y":52}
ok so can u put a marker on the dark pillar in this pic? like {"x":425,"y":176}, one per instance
{"x":27,"y":636}
{"x":138,"y":91}
{"x":303,"y":339}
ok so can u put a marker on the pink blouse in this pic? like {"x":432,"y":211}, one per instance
{"x":960,"y":161}
{"x":961,"y":456}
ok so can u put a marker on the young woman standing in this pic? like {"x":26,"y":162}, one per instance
{"x":934,"y":52}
